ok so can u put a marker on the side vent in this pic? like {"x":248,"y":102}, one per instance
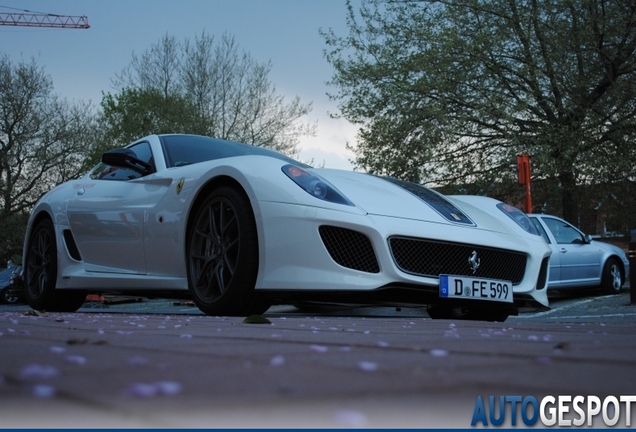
{"x":543,"y":273}
{"x":349,"y":248}
{"x":71,"y":246}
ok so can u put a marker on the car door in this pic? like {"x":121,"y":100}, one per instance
{"x":107,"y":217}
{"x":577,"y":260}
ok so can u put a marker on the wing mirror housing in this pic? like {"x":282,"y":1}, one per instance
{"x":125,"y":158}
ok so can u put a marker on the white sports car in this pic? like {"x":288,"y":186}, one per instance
{"x":238,"y":228}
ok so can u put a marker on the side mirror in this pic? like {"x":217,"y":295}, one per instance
{"x":588,"y":238}
{"x":125,"y":158}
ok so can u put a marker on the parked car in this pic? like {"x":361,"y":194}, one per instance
{"x":16,"y":284}
{"x":5,"y":286}
{"x":578,"y":261}
{"x":238,"y":227}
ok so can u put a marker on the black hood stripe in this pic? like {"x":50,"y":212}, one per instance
{"x":434,"y":200}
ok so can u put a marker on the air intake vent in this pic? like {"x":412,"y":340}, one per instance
{"x":349,"y":248}
{"x":431,"y":258}
{"x":543,"y":273}
{"x":71,"y":246}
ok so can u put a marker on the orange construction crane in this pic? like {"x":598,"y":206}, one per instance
{"x":43,"y":20}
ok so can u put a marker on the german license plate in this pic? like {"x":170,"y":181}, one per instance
{"x":475,"y":288}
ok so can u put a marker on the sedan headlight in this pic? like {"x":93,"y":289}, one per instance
{"x":519,"y":217}
{"x":315,"y":185}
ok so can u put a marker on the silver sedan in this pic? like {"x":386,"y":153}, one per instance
{"x":577,"y":260}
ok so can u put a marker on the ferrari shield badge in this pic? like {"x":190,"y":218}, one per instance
{"x":180,"y":186}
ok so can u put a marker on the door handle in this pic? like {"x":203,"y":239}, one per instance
{"x":563,"y":250}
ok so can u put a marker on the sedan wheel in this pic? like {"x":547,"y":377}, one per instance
{"x":6,"y":298}
{"x":612,"y":280}
{"x":223,"y":255}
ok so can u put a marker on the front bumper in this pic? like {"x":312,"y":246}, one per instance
{"x":294,"y":260}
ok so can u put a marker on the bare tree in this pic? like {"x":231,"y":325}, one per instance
{"x":231,"y":92}
{"x":43,"y":139}
{"x":157,"y":68}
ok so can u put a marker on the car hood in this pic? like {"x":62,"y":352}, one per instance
{"x":378,"y":196}
{"x":609,"y":247}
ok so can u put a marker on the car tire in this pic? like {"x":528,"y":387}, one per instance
{"x":612,"y":278}
{"x":490,"y":315}
{"x":443,"y":312}
{"x":6,"y":298}
{"x":68,"y":300}
{"x":40,"y":274}
{"x":222,"y":255}
{"x":473,"y":314}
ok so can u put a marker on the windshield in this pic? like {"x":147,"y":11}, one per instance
{"x":182,"y":150}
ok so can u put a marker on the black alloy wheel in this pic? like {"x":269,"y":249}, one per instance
{"x":40,"y":274}
{"x":222,"y":255}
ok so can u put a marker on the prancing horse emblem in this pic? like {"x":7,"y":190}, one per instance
{"x":474,"y":261}
{"x":180,"y":186}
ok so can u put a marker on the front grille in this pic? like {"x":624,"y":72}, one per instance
{"x":431,"y":258}
{"x":349,"y":248}
{"x":543,"y":273}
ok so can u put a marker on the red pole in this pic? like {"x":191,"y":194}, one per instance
{"x":523,"y":171}
{"x":528,"y":201}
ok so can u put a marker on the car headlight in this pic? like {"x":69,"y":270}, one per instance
{"x":519,"y":217}
{"x":315,"y":185}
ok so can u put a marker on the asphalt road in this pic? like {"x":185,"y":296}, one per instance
{"x":163,"y":364}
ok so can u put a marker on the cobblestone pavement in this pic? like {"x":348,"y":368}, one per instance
{"x":164,"y":364}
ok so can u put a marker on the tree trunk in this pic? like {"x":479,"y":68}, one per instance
{"x":568,"y":189}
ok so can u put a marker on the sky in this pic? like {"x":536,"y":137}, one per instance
{"x":83,"y":62}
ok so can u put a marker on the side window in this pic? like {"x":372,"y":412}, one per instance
{"x":107,"y":172}
{"x":563,"y":232}
{"x":539,"y":228}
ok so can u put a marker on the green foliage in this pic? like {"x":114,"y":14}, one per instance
{"x":133,"y":113}
{"x":448,"y":92}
